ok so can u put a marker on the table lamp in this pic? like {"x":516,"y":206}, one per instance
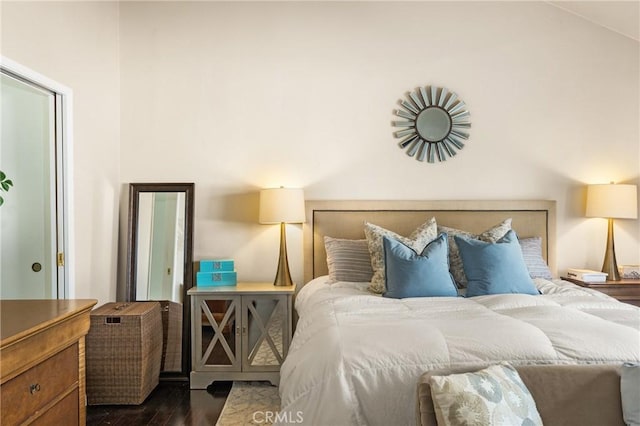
{"x":612,"y":201}
{"x":282,"y":205}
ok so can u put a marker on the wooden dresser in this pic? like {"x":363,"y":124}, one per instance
{"x":42,"y":368}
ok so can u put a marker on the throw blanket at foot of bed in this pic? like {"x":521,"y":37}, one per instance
{"x":356,"y":358}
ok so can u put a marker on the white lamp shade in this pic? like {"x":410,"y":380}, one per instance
{"x":612,"y":201}
{"x":279,"y":205}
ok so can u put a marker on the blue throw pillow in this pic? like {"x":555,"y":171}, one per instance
{"x":495,"y":268}
{"x":409,"y":274}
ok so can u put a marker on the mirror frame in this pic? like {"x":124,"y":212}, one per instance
{"x":413,"y":133}
{"x":134,"y":191}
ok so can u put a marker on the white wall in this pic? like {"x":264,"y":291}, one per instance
{"x":76,"y":44}
{"x":240,"y":96}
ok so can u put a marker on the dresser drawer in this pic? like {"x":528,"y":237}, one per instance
{"x":39,"y":386}
{"x":64,"y":413}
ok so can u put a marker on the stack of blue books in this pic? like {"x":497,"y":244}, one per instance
{"x":216,"y":272}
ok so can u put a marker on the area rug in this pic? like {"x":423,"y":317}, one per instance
{"x":250,"y":403}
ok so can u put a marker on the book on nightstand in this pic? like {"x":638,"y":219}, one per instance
{"x":587,"y":275}
{"x":631,"y":272}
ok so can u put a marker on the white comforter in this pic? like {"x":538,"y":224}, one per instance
{"x":356,"y":358}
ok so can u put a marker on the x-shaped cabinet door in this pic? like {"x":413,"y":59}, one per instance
{"x":218,"y":343}
{"x":264,"y":337}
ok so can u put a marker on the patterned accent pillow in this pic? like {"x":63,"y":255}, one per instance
{"x":491,"y":235}
{"x":418,"y":240}
{"x":348,"y":260}
{"x":495,"y":395}
{"x":532,"y":253}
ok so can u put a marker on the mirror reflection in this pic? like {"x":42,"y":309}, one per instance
{"x":266,"y":331}
{"x":433,"y":124}
{"x":160,"y":250}
{"x":219,"y":345}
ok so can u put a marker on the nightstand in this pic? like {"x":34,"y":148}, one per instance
{"x":625,"y":290}
{"x":239,"y":332}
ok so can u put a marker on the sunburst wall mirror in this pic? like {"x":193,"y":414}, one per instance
{"x":436,"y":123}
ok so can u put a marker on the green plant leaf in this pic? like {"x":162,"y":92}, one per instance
{"x":5,"y":185}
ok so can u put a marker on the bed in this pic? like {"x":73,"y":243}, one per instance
{"x":356,"y":357}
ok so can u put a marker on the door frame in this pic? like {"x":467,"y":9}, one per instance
{"x":64,"y":150}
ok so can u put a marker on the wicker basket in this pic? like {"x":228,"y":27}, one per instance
{"x":124,"y":350}
{"x":171,"y":336}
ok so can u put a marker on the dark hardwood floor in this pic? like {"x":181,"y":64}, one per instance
{"x":170,"y":403}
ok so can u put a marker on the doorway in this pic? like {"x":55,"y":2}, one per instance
{"x":33,"y":235}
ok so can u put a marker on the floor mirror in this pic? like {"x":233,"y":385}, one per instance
{"x":160,"y":263}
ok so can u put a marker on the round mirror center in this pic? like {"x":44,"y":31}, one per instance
{"x":433,"y":124}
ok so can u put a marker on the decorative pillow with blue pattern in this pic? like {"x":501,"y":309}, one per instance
{"x":495,"y":395}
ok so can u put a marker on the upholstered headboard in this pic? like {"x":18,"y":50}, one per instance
{"x":344,"y":219}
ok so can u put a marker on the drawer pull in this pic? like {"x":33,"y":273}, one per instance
{"x":34,"y":388}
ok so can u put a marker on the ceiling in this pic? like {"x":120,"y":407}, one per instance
{"x":622,"y":17}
